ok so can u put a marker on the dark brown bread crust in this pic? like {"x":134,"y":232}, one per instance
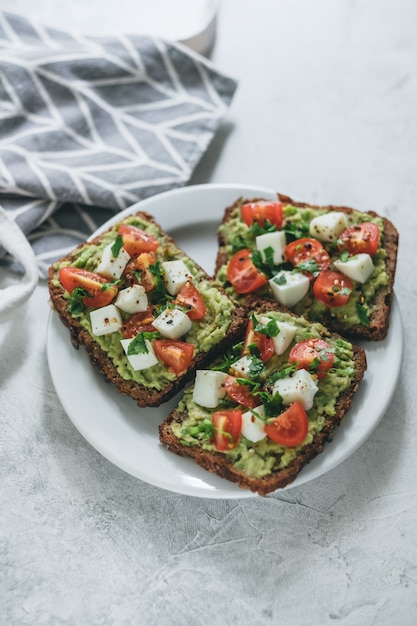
{"x":218,"y":463}
{"x":143,"y":396}
{"x":379,"y":322}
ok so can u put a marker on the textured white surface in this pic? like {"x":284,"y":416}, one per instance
{"x":326,"y":111}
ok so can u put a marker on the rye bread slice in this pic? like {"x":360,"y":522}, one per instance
{"x":378,"y":325}
{"x":143,"y":395}
{"x":218,"y":463}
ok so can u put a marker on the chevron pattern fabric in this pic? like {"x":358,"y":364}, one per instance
{"x":91,"y":125}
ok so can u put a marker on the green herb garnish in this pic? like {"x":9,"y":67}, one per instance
{"x":271,"y":329}
{"x":311,"y":266}
{"x":362,"y":314}
{"x":256,"y":367}
{"x":76,"y":304}
{"x":117,"y":246}
{"x":138,"y":344}
{"x":285,"y":371}
{"x":229,"y":358}
{"x":272,"y":402}
{"x":106,"y":286}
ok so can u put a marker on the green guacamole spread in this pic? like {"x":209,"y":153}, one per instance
{"x":204,"y":333}
{"x":265,"y":457}
{"x":361,"y":303}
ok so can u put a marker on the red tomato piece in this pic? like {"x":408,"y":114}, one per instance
{"x":360,"y":238}
{"x":332,"y":288}
{"x":242,"y":273}
{"x":240,"y":393}
{"x":264,"y":344}
{"x":290,"y":428}
{"x":177,"y":355}
{"x":138,"y":323}
{"x":228,"y":425}
{"x":190,"y":298}
{"x":307,"y":249}
{"x":137,"y":270}
{"x":261,"y":211}
{"x":73,"y":277}
{"x":313,"y":353}
{"x":136,"y":240}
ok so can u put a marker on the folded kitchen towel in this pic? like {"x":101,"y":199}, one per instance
{"x":90,"y":125}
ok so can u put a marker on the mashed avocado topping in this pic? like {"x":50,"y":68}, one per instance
{"x":204,"y":333}
{"x":261,"y":458}
{"x":296,"y":221}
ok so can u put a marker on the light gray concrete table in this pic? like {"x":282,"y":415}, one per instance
{"x":326,"y":112}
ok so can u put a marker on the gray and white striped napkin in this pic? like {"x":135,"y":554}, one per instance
{"x":90,"y":125}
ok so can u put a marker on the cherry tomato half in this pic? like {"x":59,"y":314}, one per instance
{"x":136,"y":240}
{"x":228,"y":425}
{"x":332,"y":288}
{"x":360,"y":238}
{"x":137,"y":270}
{"x":242,"y":273}
{"x":190,"y":298}
{"x":314,"y":355}
{"x":177,"y":355}
{"x":138,"y":323}
{"x":73,"y":277}
{"x":290,"y":427}
{"x":240,"y":393}
{"x":264,"y":344}
{"x":261,"y":211}
{"x":307,"y":249}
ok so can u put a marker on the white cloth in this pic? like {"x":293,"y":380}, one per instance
{"x":16,"y":243}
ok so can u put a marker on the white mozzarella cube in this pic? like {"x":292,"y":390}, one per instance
{"x":253,"y":428}
{"x":299,"y":386}
{"x":132,"y":299}
{"x":112,"y":266}
{"x":285,"y":336}
{"x":172,"y":323}
{"x":241,"y":367}
{"x":358,"y":267}
{"x":105,"y":320}
{"x":176,"y":274}
{"x":289,"y":287}
{"x":143,"y":360}
{"x":327,"y":227}
{"x":276,"y":241}
{"x":209,"y":388}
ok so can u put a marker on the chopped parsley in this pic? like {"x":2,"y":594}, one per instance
{"x":76,"y":304}
{"x":117,"y":246}
{"x":138,"y":344}
{"x":311,"y":266}
{"x":271,"y":329}
{"x":362,"y":314}
{"x":229,"y":358}
{"x":256,"y":367}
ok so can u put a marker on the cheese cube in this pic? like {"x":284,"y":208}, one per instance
{"x":289,"y":287}
{"x":176,"y":274}
{"x":105,"y":320}
{"x":132,"y":299}
{"x":172,"y":323}
{"x":299,"y":386}
{"x":241,"y":367}
{"x":111,"y":266}
{"x":209,"y":388}
{"x":253,"y":428}
{"x":141,"y":361}
{"x":285,"y":336}
{"x":358,"y":267}
{"x":276,"y":241}
{"x":327,"y":227}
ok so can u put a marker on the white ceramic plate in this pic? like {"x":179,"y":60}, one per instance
{"x":128,"y":436}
